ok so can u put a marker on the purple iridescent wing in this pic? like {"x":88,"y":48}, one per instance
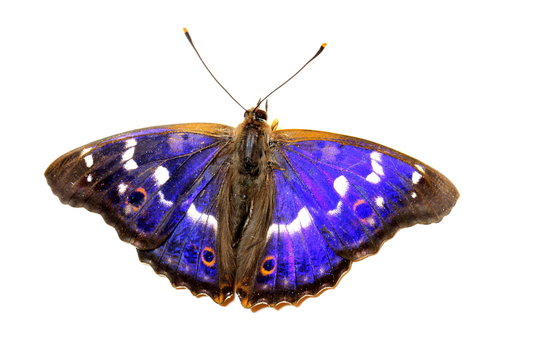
{"x":132,"y":178}
{"x":338,"y":199}
{"x":157,"y":187}
{"x":188,"y":256}
{"x":297,"y":260}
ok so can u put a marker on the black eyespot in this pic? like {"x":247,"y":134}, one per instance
{"x":269,"y":265}
{"x":137,"y":197}
{"x":208,"y":256}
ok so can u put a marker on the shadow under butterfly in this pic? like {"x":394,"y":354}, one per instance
{"x":272,"y":215}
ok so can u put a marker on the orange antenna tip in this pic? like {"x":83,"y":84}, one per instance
{"x":323,"y":44}
{"x":185,"y":30}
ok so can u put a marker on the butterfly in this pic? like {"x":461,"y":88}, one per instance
{"x":273,"y":216}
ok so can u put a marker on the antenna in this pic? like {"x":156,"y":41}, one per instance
{"x":200,"y":58}
{"x":323,"y":45}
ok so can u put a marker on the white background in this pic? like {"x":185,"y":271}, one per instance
{"x":453,"y":83}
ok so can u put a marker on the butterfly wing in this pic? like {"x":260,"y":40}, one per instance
{"x":158,"y":187}
{"x":141,"y":181}
{"x":338,"y":199}
{"x":297,"y":259}
{"x":188,"y":257}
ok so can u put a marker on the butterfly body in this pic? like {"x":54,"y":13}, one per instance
{"x":245,"y":202}
{"x":272,"y":216}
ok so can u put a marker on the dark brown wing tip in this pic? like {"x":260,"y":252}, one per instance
{"x":435,"y":197}
{"x":64,"y":178}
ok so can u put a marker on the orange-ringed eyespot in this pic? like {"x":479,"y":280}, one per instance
{"x":208,"y":256}
{"x":137,"y":198}
{"x":268,"y":265}
{"x":362,"y":209}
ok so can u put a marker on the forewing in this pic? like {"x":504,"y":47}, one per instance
{"x":339,"y":198}
{"x":141,"y":182}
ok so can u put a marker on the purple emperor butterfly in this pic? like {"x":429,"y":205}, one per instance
{"x":271,"y":215}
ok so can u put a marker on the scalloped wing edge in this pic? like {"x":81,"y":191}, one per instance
{"x":258,"y":305}
{"x":220,"y":299}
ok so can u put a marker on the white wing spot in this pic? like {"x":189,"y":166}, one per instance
{"x":302,"y":221}
{"x":373,"y":178}
{"x":341,"y":185}
{"x":131,"y":165}
{"x":378,"y":171}
{"x":89,"y":178}
{"x":376,"y":163}
{"x":122,"y":188}
{"x":375,"y":156}
{"x":128,"y":154}
{"x":413,"y":195}
{"x":377,"y":168}
{"x":416,"y":176}
{"x":89,"y":160}
{"x":199,"y":217}
{"x":130,"y":143}
{"x":379,"y":201}
{"x":85,"y":151}
{"x":337,"y":210}
{"x":370,"y":221}
{"x":163,"y":200}
{"x":420,"y":168}
{"x":161,"y":175}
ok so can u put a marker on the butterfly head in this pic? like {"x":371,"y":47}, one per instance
{"x":255,"y":115}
